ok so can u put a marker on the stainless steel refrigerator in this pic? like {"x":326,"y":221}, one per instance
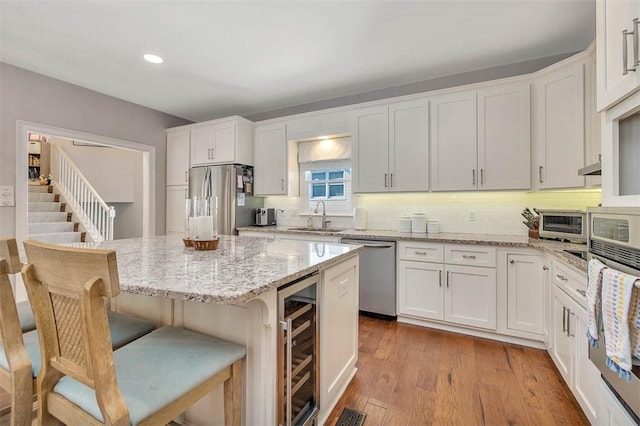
{"x":233,"y":185}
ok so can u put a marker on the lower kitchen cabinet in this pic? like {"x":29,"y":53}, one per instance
{"x":338,"y":332}
{"x":436,"y":290}
{"x":570,"y":352}
{"x":610,"y":412}
{"x":470,"y":296}
{"x":525,"y":293}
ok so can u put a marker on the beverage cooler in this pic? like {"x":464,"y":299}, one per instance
{"x":298,"y":379}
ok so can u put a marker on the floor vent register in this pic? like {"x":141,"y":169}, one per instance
{"x":351,"y":417}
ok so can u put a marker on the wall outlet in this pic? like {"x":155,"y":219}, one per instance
{"x":472,"y":215}
{"x":6,"y":196}
{"x":294,"y":212}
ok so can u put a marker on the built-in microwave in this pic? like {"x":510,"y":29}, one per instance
{"x":570,"y":225}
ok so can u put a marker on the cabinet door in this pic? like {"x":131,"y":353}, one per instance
{"x":563,"y":347}
{"x":560,"y":127}
{"x":202,"y":145}
{"x":338,"y":331}
{"x":547,"y":306}
{"x":370,"y":149}
{"x":470,"y":296}
{"x":301,"y":128}
{"x":420,"y":289}
{"x":587,"y":376}
{"x":178,"y":158}
{"x":454,"y":140}
{"x":409,"y":146}
{"x":224,"y":135}
{"x":270,"y":168}
{"x":175,"y":219}
{"x":504,"y":148}
{"x":525,"y":291}
{"x":612,"y":17}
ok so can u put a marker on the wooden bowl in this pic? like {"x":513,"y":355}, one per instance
{"x":188,"y":242}
{"x":206,"y":245}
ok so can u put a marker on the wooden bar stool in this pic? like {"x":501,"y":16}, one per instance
{"x":147,"y":382}
{"x":20,"y":358}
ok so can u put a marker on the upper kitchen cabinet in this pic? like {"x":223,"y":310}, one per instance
{"x":480,"y":140}
{"x":178,"y":157}
{"x":276,"y":162}
{"x":224,"y":141}
{"x":559,"y":131}
{"x":617,"y":50}
{"x":328,"y":124}
{"x":390,"y":147}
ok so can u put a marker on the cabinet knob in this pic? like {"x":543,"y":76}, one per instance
{"x":545,"y":268}
{"x":512,"y":261}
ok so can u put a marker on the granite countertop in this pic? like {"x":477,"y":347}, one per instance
{"x":556,"y":248}
{"x":240,"y":269}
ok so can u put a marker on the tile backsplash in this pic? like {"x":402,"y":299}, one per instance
{"x":462,"y":212}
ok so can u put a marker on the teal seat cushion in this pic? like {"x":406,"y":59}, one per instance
{"x":123,"y":328}
{"x":32,"y":346}
{"x":25,"y":315}
{"x":157,"y":369}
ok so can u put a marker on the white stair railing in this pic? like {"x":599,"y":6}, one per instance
{"x":94,"y":214}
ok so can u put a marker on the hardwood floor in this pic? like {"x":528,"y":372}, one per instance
{"x":409,"y":375}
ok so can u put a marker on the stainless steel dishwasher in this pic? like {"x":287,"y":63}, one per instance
{"x":377,"y":276}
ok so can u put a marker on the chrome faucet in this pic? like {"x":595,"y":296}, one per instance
{"x":324,"y":213}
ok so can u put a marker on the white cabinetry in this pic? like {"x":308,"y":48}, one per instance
{"x":176,"y":208}
{"x":617,"y":51}
{"x":570,"y":350}
{"x":228,"y":140}
{"x":451,"y":283}
{"x":390,"y":147}
{"x":338,"y":332}
{"x":178,"y":157}
{"x":327,"y":124}
{"x":559,"y":126}
{"x":610,"y":412}
{"x":276,"y":162}
{"x":525,"y":293}
{"x":481,"y":140}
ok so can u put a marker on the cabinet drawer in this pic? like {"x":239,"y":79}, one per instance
{"x":470,"y":255}
{"x":573,"y":282}
{"x":421,"y":252}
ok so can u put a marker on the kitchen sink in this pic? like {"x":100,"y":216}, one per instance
{"x":306,"y":228}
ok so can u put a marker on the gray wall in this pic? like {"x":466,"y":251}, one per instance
{"x":28,"y":96}
{"x":487,"y":74}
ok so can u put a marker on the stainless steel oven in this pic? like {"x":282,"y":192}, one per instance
{"x":614,"y":239}
{"x":298,"y":349}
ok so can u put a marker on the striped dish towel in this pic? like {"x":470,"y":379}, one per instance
{"x":594,"y":301}
{"x":634,"y":324}
{"x":619,"y":326}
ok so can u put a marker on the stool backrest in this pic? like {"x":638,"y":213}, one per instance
{"x":67,"y":287}
{"x":10,"y":330}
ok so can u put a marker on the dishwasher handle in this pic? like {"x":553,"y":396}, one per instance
{"x":369,"y":244}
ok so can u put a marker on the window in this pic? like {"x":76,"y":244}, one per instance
{"x":325,"y":175}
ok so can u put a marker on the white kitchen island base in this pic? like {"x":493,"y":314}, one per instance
{"x":255,"y":325}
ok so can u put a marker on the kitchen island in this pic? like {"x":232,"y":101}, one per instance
{"x":232,"y":293}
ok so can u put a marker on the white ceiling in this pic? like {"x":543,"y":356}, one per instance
{"x":245,"y":57}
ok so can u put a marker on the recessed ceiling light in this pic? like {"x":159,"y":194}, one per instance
{"x":154,"y":59}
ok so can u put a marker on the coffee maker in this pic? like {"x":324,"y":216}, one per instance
{"x":265,"y":217}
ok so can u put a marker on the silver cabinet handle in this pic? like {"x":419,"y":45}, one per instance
{"x":582,"y":292}
{"x":625,"y":53}
{"x":282,"y":184}
{"x":636,"y":60}
{"x":186,"y":193}
{"x":545,"y":268}
{"x":562,"y":277}
{"x":385,"y":180}
{"x":439,"y":278}
{"x":512,"y":261}
{"x":447,"y":279}
{"x":481,"y":176}
{"x":421,"y":253}
{"x":288,"y":327}
{"x":540,"y":174}
{"x":564,"y":319}
{"x":468,"y":256}
{"x":473,"y":177}
{"x":569,"y":323}
{"x":186,"y":175}
{"x":391,"y":180}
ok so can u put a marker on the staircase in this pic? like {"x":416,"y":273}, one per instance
{"x":48,"y":219}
